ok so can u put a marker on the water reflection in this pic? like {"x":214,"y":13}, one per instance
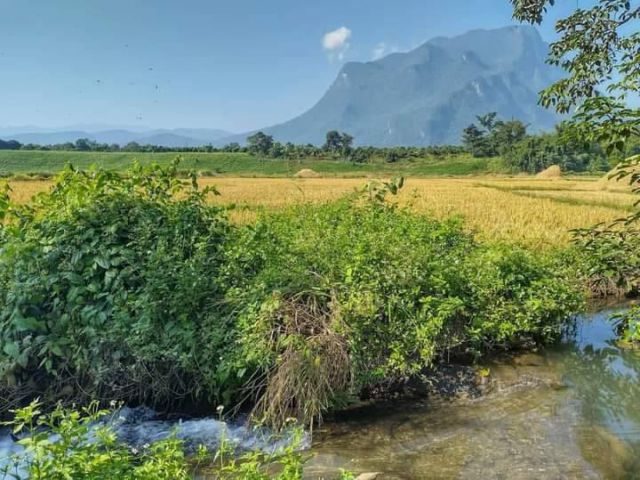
{"x":571,"y":412}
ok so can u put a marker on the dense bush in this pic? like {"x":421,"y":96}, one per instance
{"x":135,"y":288}
{"x":356,"y":293}
{"x":610,"y":253}
{"x":610,"y":258}
{"x":108,"y":287}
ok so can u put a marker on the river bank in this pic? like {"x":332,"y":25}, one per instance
{"x":567,"y":411}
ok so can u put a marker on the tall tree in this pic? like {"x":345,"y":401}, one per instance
{"x":599,"y":48}
{"x":260,"y":143}
{"x":347,"y":142}
{"x":83,"y":144}
{"x":475,"y":141}
{"x":333,"y":141}
{"x":337,"y":142}
{"x":505,"y":135}
{"x":488,"y":121}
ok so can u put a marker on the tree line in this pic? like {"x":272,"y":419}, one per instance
{"x":338,"y":146}
{"x":488,"y":137}
{"x":532,"y":153}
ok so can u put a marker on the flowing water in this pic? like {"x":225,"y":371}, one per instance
{"x":570,"y":412}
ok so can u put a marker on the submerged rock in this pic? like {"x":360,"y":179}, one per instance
{"x":368,"y":476}
{"x":611,"y":456}
{"x":529,"y":360}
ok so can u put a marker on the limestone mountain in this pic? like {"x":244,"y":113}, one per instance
{"x":428,"y":95}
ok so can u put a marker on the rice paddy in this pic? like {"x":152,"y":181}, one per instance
{"x":538,"y":213}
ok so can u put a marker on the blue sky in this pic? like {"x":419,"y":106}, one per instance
{"x":231,"y":64}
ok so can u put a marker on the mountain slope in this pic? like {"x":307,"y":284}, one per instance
{"x":428,"y":95}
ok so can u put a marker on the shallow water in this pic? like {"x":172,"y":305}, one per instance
{"x":140,"y":427}
{"x":571,"y":412}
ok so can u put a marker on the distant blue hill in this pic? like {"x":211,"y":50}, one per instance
{"x":179,"y":137}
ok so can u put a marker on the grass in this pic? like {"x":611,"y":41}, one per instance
{"x":532,"y":212}
{"x":241,"y":164}
{"x":535,"y":213}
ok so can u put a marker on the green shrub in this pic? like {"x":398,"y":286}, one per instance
{"x":74,"y":444}
{"x":134,"y":288}
{"x":609,"y":258}
{"x":109,"y":287}
{"x":357,"y":293}
{"x":80,"y":449}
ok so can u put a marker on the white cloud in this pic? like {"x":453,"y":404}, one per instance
{"x":336,"y":43}
{"x":382,"y":49}
{"x":379,"y":51}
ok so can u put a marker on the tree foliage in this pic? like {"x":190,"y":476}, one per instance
{"x":338,"y":142}
{"x":106,"y":285}
{"x":535,"y":153}
{"x":493,"y":137}
{"x":260,"y":144}
{"x":599,"y":49}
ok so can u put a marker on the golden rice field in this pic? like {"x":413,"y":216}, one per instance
{"x":534,"y":212}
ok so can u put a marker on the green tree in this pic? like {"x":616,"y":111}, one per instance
{"x":347,"y":142}
{"x":476,"y":141}
{"x":259,"y":143}
{"x":488,"y":121}
{"x":333,"y":141}
{"x":83,"y":144}
{"x":504,"y":135}
{"x":277,"y":150}
{"x":338,"y":143}
{"x":132,"y":147}
{"x":599,"y":48}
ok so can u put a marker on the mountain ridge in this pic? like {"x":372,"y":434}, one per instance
{"x":422,"y":97}
{"x":428,"y":95}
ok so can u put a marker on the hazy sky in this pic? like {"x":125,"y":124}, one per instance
{"x":231,"y":64}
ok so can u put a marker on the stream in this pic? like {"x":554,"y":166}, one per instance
{"x":571,"y":411}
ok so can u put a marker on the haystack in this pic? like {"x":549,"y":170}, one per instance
{"x":552,"y":172}
{"x":307,"y":173}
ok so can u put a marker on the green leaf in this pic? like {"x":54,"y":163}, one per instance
{"x":12,"y":350}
